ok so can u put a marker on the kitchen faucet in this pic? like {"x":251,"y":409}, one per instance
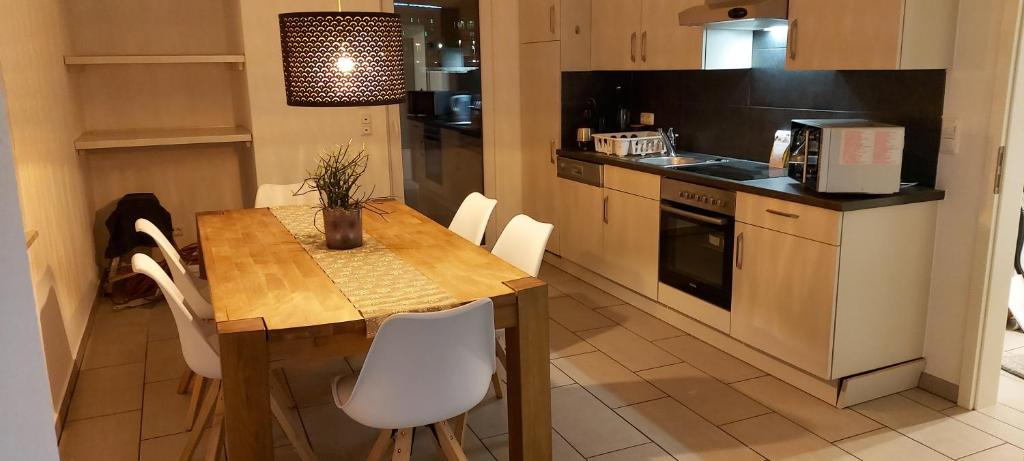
{"x":669,"y":139}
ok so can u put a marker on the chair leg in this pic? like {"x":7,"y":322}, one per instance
{"x":193,"y":401}
{"x":380,"y":446}
{"x":184,"y":381}
{"x":290,"y":422}
{"x":212,"y":396}
{"x":500,"y":352}
{"x":459,"y":427}
{"x":403,"y":445}
{"x":216,"y":445}
{"x":288,"y":399}
{"x":451,"y":448}
{"x":496,"y":382}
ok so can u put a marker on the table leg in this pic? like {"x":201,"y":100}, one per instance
{"x":529,"y":387}
{"x":245,"y":365}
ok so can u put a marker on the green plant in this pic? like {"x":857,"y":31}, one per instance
{"x":336,"y":179}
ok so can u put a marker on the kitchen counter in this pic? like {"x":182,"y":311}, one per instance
{"x":783,"y":188}
{"x":474,"y":129}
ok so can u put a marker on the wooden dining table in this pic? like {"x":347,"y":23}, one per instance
{"x":273,"y":302}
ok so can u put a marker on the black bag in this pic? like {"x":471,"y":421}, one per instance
{"x":121,"y":223}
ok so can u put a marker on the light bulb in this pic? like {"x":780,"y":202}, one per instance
{"x":346,"y":65}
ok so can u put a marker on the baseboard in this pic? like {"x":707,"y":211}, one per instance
{"x":939,"y":387}
{"x":76,"y":366}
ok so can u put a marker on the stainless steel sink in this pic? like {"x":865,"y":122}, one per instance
{"x":681,"y":160}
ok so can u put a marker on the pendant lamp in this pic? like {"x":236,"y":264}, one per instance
{"x":342,"y":59}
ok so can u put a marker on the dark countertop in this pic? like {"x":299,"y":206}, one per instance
{"x":783,"y":188}
{"x":474,"y":129}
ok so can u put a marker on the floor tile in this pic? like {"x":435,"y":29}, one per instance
{"x":708,"y":397}
{"x":164,"y":410}
{"x":627,"y":348}
{"x":927,"y":399}
{"x":888,"y":445}
{"x":827,"y":421}
{"x":709,"y":359}
{"x":683,"y":434}
{"x":553,"y":275}
{"x":1005,"y":414}
{"x":560,"y":449}
{"x":106,"y":438}
{"x":554,"y":292}
{"x":161,"y":323}
{"x":425,"y":448}
{"x":310,"y":381}
{"x":588,"y":294}
{"x":945,"y":435}
{"x":490,"y":417}
{"x":574,"y":316}
{"x":107,"y":315}
{"x":333,"y":435}
{"x":1013,"y":340}
{"x":164,"y":360}
{"x":1005,"y":452}
{"x":559,"y":378}
{"x":169,"y":448}
{"x":640,"y":322}
{"x":610,"y":382}
{"x":115,"y":344}
{"x":646,"y":452}
{"x":1011,"y":391}
{"x":588,"y":425}
{"x":564,"y":343}
{"x":775,"y":437}
{"x":988,"y":424}
{"x":106,"y":391}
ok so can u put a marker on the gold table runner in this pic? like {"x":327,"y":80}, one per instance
{"x":378,"y":282}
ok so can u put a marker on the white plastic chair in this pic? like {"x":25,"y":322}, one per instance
{"x":471,"y":219}
{"x":522,"y":243}
{"x":201,"y":349}
{"x":421,"y":370}
{"x":269,"y":195}
{"x":195,"y":290}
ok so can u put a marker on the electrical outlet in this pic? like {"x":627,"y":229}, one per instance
{"x":647,"y":118}
{"x":367,"y":130}
{"x":366,"y":119}
{"x":949,"y":144}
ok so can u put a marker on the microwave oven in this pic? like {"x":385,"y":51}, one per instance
{"x":847,"y":156}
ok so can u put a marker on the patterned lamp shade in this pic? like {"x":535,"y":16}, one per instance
{"x":334,"y":59}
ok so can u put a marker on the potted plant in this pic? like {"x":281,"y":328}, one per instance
{"x":336,"y":179}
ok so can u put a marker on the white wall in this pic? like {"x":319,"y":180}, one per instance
{"x":26,"y":427}
{"x":287,"y":140}
{"x":975,"y":85}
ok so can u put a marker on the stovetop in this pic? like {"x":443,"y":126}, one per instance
{"x":735,"y":170}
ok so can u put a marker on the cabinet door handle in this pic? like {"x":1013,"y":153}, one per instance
{"x":782,"y":213}
{"x":551,"y":18}
{"x":739,"y":251}
{"x":643,"y":47}
{"x":632,"y":47}
{"x":604,"y":211}
{"x":552,"y":150}
{"x":791,"y":39}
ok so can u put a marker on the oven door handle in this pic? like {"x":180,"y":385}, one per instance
{"x":694,"y":216}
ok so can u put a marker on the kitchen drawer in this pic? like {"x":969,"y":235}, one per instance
{"x":632,"y":182}
{"x":791,"y":218}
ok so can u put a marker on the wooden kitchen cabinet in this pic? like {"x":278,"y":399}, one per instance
{"x":871,"y":34}
{"x":538,"y":20}
{"x":784,"y":290}
{"x":581,"y":213}
{"x":540,"y":103}
{"x":625,"y":37}
{"x":575,"y":36}
{"x":631,"y":241}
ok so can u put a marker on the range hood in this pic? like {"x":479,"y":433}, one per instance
{"x":737,"y":14}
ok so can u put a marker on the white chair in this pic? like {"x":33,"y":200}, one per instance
{"x":201,"y":349}
{"x":422,"y":370}
{"x":471,"y":219}
{"x":269,"y":195}
{"x":521,"y":244}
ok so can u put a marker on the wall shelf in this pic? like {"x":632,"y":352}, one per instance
{"x":108,"y":139}
{"x":155,"y":59}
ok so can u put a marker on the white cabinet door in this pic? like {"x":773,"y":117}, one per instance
{"x":581,"y":213}
{"x":664,"y":44}
{"x":538,"y":20}
{"x":784,"y":296}
{"x":615,"y":34}
{"x":844,"y":34}
{"x":631,"y":242}
{"x":540,"y":103}
{"x":575,"y":35}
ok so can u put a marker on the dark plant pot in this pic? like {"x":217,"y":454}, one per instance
{"x":343,"y":229}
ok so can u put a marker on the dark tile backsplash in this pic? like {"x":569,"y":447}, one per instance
{"x":735,"y":113}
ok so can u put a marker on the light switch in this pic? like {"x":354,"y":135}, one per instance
{"x":949,"y":142}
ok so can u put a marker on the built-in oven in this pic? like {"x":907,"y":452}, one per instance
{"x":696,"y":240}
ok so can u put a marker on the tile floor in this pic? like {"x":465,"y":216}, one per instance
{"x":625,"y":387}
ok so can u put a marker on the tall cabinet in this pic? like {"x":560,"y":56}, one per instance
{"x":541,"y":127}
